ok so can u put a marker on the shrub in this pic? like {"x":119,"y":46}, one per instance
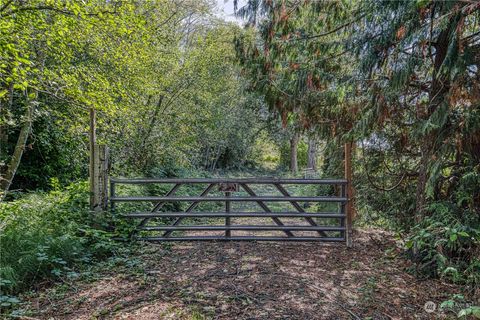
{"x":47,"y":235}
{"x":446,"y":244}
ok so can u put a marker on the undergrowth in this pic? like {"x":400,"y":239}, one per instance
{"x":443,"y":239}
{"x":48,"y":236}
{"x":446,"y":244}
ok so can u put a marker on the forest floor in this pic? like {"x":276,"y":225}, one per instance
{"x":248,"y":280}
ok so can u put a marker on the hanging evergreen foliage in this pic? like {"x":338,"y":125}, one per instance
{"x":400,"y":78}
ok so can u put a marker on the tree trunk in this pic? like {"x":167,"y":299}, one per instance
{"x":92,"y":136}
{"x":207,"y":157}
{"x":217,"y":154}
{"x":4,"y":129}
{"x":7,"y":178}
{"x":153,"y":121}
{"x":312,"y":154}
{"x":3,"y":138}
{"x":293,"y":153}
{"x":422,"y":181}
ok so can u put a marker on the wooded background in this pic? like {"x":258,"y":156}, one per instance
{"x":180,"y":92}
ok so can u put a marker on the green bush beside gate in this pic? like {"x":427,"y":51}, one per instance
{"x":46,"y":236}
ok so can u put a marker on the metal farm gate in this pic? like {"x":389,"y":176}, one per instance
{"x":232,"y":209}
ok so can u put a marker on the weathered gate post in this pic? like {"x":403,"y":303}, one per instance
{"x":99,"y":179}
{"x":350,"y":208}
{"x":98,"y":168}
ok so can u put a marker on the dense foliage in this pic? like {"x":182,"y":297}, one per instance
{"x":163,"y":79}
{"x":48,"y":235}
{"x":161,"y":76}
{"x":401,"y":80}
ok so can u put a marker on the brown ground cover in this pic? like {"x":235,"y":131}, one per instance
{"x":248,"y":280}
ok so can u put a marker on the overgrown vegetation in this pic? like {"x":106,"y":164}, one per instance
{"x":180,"y":92}
{"x":399,"y":79}
{"x":49,"y":236}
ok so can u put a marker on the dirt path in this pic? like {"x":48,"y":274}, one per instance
{"x":250,"y":281}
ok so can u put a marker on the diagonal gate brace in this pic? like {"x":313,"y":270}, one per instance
{"x":265,"y":208}
{"x":298,"y":208}
{"x":190,"y":208}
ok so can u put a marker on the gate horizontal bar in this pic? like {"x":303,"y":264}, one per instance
{"x":232,"y":214}
{"x":240,"y":238}
{"x":236,"y":199}
{"x":245,"y":227}
{"x":241,"y":180}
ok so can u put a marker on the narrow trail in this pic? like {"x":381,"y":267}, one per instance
{"x":248,"y":280}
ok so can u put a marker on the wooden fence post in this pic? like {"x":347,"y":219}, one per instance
{"x":99,"y":179}
{"x":350,"y":193}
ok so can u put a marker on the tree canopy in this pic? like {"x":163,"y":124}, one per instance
{"x":398,"y":78}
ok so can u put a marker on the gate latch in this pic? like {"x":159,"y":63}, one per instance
{"x":228,"y":187}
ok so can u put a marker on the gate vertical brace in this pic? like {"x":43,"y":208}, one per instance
{"x":227,"y":210}
{"x":349,"y":205}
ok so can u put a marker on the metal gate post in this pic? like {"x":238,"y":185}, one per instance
{"x":349,"y":205}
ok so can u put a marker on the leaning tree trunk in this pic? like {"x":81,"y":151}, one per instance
{"x":4,"y":116}
{"x":312,"y":154}
{"x":293,"y":153}
{"x":7,"y":178}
